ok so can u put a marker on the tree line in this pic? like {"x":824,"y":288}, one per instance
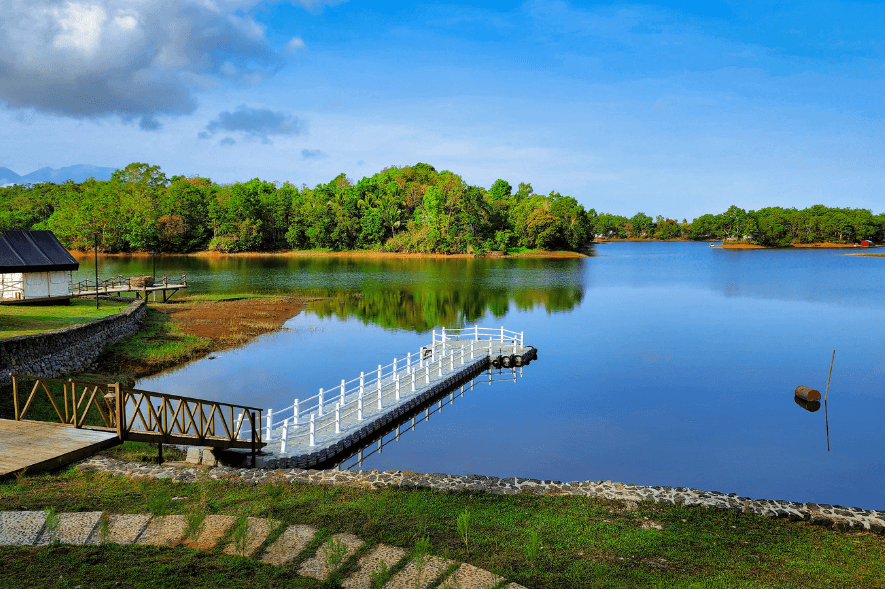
{"x":402,"y":209}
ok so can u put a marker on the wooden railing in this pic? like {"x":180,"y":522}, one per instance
{"x":143,"y":416}
{"x":117,"y":283}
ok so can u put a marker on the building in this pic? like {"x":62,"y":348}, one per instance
{"x":34,"y":266}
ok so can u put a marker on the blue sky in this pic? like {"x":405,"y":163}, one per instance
{"x":667,"y":108}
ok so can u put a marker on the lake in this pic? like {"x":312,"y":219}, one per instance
{"x":659,"y":363}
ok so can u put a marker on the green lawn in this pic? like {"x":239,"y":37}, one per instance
{"x":30,"y":319}
{"x":538,"y":541}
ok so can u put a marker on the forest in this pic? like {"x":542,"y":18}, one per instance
{"x":400,"y":209}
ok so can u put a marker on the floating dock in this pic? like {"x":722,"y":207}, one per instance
{"x":322,"y":427}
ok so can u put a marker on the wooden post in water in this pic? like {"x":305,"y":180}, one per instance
{"x":830,"y":376}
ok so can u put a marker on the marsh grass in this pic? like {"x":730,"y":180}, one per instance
{"x":537,"y":541}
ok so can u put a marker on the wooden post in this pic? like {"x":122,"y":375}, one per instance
{"x":159,"y":452}
{"x":830,"y":376}
{"x":15,"y":396}
{"x":120,"y":410}
{"x":254,"y":436}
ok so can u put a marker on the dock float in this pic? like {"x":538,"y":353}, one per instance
{"x":318,"y":429}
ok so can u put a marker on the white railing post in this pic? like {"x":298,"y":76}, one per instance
{"x":313,"y":429}
{"x":359,"y":409}
{"x":476,"y":332}
{"x":441,"y":360}
{"x":409,"y":363}
{"x":444,"y":340}
{"x":379,"y":398}
{"x":472,"y":344}
{"x":239,"y":424}
{"x":362,"y":383}
{"x":413,"y":382}
{"x":397,"y":386}
{"x":452,"y":366}
{"x":427,"y":375}
{"x":337,"y":418}
{"x":379,"y":376}
{"x":394,"y":365}
{"x":342,"y":392}
{"x":269,"y":424}
{"x":295,"y":412}
{"x":285,"y":436}
{"x":462,"y":355}
{"x":320,"y":411}
{"x":521,"y":338}
{"x":502,"y":333}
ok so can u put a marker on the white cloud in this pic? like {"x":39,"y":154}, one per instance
{"x":295,"y":44}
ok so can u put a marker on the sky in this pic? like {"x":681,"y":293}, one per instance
{"x":668,"y":108}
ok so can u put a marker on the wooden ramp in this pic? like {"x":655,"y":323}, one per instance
{"x":43,"y":446}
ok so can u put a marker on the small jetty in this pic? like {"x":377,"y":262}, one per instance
{"x":142,"y":286}
{"x":317,"y":429}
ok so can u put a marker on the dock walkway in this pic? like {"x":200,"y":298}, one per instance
{"x":314,"y":430}
{"x":37,"y":446}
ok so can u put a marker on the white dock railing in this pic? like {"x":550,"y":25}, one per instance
{"x":404,"y":375}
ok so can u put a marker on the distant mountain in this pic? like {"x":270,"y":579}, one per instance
{"x":77,"y":173}
{"x":7,"y":176}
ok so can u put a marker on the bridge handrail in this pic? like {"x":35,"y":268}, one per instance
{"x":337,"y":396}
{"x":176,"y":415}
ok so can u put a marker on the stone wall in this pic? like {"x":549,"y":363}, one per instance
{"x":69,"y":349}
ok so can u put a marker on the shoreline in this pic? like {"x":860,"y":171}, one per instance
{"x":365,"y":254}
{"x":836,"y":517}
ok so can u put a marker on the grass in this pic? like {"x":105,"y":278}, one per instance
{"x":158,"y":343}
{"x":538,"y":541}
{"x":18,"y":320}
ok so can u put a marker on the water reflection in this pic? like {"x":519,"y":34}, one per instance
{"x":811,"y":406}
{"x":375,"y":443}
{"x":396,"y":293}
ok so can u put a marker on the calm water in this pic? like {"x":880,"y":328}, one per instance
{"x":659,"y":363}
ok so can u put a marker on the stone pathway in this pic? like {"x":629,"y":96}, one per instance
{"x":42,"y":528}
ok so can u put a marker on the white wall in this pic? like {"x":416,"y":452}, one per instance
{"x":46,"y":284}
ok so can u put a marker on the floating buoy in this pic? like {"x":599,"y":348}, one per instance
{"x":807,"y":393}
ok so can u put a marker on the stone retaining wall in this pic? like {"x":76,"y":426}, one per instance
{"x":829,"y":516}
{"x":68,"y":349}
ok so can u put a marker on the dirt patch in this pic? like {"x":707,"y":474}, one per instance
{"x":168,"y":338}
{"x":233,"y":321}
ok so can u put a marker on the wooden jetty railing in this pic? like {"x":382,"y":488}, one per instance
{"x":120,"y":284}
{"x":143,"y":416}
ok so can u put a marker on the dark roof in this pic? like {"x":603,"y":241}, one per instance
{"x":33,"y":251}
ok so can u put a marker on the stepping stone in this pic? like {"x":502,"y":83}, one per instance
{"x":316,"y":567}
{"x":468,"y":576}
{"x":164,"y":531}
{"x":371,"y":563}
{"x":20,"y":528}
{"x":214,"y":529}
{"x":256,"y":534}
{"x":73,"y":528}
{"x":122,"y":529}
{"x":289,"y":545}
{"x":411,"y":578}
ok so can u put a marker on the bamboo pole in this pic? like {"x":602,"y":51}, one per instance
{"x":830,"y":376}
